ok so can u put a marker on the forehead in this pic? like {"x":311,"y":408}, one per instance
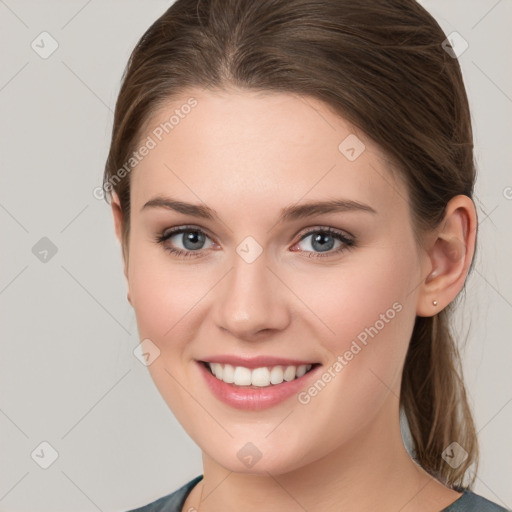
{"x":260,"y":150}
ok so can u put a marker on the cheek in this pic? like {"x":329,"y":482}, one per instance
{"x":362,"y":296}
{"x":367,"y":312}
{"x":162,"y":292}
{"x":163,"y":299}
{"x":372,"y":311}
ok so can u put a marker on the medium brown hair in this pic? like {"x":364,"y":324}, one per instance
{"x":380,"y":65}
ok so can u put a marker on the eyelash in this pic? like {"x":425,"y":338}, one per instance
{"x":347,"y":242}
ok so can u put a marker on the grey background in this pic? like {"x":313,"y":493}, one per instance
{"x":67,"y":372}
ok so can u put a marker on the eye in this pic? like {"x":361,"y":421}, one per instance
{"x":185,"y":241}
{"x":322,"y":241}
{"x":190,"y":241}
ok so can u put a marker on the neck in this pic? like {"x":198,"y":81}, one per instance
{"x":373,"y":471}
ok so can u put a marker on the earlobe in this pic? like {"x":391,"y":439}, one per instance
{"x":449,"y":257}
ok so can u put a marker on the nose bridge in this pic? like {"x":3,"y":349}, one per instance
{"x":251,"y":298}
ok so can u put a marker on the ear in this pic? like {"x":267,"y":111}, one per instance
{"x":449,"y":252}
{"x":117,"y":213}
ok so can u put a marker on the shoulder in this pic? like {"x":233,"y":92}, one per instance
{"x":471,"y":502}
{"x":172,"y":502}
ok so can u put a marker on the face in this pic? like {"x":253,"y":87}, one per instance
{"x":253,"y":279}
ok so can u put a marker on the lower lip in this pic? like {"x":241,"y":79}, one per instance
{"x":241,"y":397}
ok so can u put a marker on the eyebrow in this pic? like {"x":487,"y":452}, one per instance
{"x":289,"y":213}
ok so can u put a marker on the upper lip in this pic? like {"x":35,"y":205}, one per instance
{"x":255,"y":362}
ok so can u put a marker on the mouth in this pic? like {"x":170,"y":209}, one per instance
{"x":259,"y":377}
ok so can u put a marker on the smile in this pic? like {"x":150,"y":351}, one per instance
{"x":257,"y":383}
{"x":257,"y":377}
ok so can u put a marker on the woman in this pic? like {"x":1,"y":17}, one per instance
{"x":291,"y":184}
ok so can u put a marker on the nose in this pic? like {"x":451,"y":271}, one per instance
{"x":251,"y":300}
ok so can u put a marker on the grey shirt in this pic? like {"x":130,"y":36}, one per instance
{"x":468,"y":502}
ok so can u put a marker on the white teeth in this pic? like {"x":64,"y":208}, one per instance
{"x":289,"y":373}
{"x":301,"y":370}
{"x":276,"y":375}
{"x":260,"y":377}
{"x":242,"y":376}
{"x":217,"y":370}
{"x":228,"y":374}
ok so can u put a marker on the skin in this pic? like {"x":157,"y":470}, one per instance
{"x":246,"y":155}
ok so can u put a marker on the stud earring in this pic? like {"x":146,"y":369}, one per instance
{"x":434,"y":302}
